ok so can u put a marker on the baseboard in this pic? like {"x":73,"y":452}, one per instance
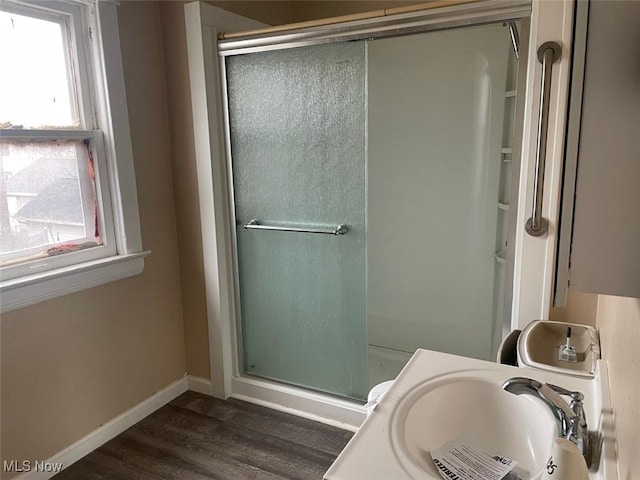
{"x":109,"y":430}
{"x":315,"y":406}
{"x":199,"y":384}
{"x":340,"y":413}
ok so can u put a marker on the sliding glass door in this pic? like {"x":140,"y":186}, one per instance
{"x":370,"y":203}
{"x":298,"y":141}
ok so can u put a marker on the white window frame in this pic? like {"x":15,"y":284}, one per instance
{"x":103,"y":114}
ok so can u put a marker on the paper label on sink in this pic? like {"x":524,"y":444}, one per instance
{"x":464,"y":459}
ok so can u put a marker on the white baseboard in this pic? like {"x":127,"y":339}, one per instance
{"x":320,"y":407}
{"x":199,"y":384}
{"x":315,"y":406}
{"x":114,"y":427}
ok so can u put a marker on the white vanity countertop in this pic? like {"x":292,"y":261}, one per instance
{"x":370,"y":453}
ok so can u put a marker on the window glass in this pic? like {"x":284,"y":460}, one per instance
{"x":61,"y":109}
{"x":47,"y":199}
{"x":37,"y":87}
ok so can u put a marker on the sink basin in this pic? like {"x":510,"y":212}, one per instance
{"x":471,"y":404}
{"x":438,"y":397}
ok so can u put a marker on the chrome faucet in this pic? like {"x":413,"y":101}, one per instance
{"x":570,"y":418}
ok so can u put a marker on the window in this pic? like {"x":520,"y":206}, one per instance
{"x":68,"y":206}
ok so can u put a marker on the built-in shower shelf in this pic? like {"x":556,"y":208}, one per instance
{"x":510,"y":94}
{"x":500,"y":257}
{"x":507,"y":151}
{"x":503,"y":206}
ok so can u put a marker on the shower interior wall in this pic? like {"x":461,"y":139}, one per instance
{"x":439,"y":176}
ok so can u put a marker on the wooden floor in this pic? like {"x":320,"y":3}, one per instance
{"x":197,"y":437}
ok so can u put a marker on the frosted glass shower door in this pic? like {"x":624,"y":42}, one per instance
{"x":297,"y":125}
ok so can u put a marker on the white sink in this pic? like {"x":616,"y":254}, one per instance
{"x":438,"y":397}
{"x":470,"y":404}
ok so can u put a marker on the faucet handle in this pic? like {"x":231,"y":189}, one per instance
{"x":576,"y":397}
{"x":576,"y":401}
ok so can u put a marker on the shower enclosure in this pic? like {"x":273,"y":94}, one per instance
{"x":371,"y":195}
{"x":408,"y":159}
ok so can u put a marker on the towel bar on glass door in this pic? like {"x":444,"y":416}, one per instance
{"x":339,"y":230}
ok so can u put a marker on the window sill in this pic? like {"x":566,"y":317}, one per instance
{"x":22,"y":292}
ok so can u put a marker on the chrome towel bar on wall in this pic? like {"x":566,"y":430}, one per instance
{"x":338,"y":230}
{"x":548,"y":53}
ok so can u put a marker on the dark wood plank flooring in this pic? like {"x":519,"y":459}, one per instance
{"x":196,"y":437}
